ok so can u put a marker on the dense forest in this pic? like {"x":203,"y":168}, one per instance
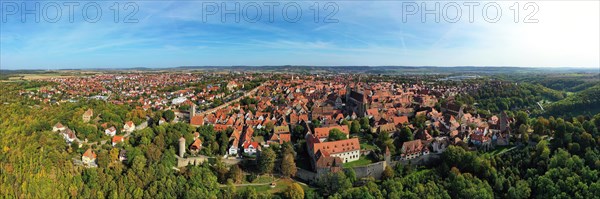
{"x":584,"y":102}
{"x":567,"y":95}
{"x":555,"y":157}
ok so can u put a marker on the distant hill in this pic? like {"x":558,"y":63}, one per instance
{"x":586,"y":102}
{"x":395,"y":70}
{"x":390,"y":70}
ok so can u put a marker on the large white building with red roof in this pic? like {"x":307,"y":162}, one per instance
{"x":347,"y":150}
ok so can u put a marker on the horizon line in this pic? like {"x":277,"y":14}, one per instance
{"x":287,"y":65}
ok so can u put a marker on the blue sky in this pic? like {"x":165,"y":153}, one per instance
{"x":170,"y":34}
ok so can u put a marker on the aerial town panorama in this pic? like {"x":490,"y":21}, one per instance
{"x":308,"y":99}
{"x":261,"y":134}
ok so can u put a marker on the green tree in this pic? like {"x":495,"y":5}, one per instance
{"x":201,"y":177}
{"x":288,"y":166}
{"x":103,"y":159}
{"x":139,"y":163}
{"x":223,"y":143}
{"x":266,"y":161}
{"x":334,"y":182}
{"x":388,"y":173}
{"x":220,"y":169}
{"x":541,"y":125}
{"x":169,"y":115}
{"x":298,"y":132}
{"x":405,"y":135}
{"x":364,"y":124}
{"x":521,"y":118}
{"x":524,"y":132}
{"x":467,"y":186}
{"x":420,"y":121}
{"x":269,"y":126}
{"x":236,"y":174}
{"x":294,"y":191}
{"x":229,"y":191}
{"x":336,"y":134}
{"x":520,"y":190}
{"x":350,"y":174}
{"x":383,"y":141}
{"x":355,"y":127}
{"x":249,"y":193}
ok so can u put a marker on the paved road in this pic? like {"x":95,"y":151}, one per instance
{"x":502,"y":152}
{"x":251,"y":92}
{"x":541,"y":107}
{"x":249,"y":184}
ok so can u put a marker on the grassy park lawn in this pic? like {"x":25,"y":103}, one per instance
{"x":362,"y":161}
{"x":498,"y":150}
{"x":261,"y":179}
{"x":367,"y":146}
{"x":280,"y":186}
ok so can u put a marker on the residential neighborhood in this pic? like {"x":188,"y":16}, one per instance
{"x":336,"y":120}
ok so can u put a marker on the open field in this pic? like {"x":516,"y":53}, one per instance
{"x":39,"y":76}
{"x":362,"y":161}
{"x":280,"y":186}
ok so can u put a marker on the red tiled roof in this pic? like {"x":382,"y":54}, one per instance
{"x":286,"y":137}
{"x":281,"y":137}
{"x":323,"y":132}
{"x":339,"y":146}
{"x":400,"y":120}
{"x":373,"y":112}
{"x":90,"y":154}
{"x":117,"y":139}
{"x":253,"y":144}
{"x":325,"y":161}
{"x":197,"y":120}
{"x":235,"y":134}
{"x":389,"y":128}
{"x":220,"y":127}
{"x":415,"y":146}
{"x":479,"y":137}
{"x":196,"y":145}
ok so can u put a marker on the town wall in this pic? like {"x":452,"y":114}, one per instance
{"x":423,"y":160}
{"x":306,"y":175}
{"x":182,"y":162}
{"x":372,"y":170}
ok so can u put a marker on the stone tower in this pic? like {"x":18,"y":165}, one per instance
{"x":181,"y":146}
{"x":387,"y":155}
{"x":192,"y":110}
